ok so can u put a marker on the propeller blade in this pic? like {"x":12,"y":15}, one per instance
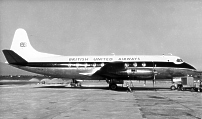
{"x":154,"y":80}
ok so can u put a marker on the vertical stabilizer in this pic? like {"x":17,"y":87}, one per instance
{"x":21,"y":45}
{"x":21,"y":42}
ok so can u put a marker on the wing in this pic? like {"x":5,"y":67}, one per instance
{"x":122,"y":70}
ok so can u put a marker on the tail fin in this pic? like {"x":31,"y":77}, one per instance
{"x":13,"y":58}
{"x":21,"y":45}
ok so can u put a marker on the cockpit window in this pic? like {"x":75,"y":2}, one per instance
{"x":179,"y":60}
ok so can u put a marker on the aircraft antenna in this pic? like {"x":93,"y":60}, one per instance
{"x":113,"y":54}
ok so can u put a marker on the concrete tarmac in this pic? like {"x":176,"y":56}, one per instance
{"x":32,"y":102}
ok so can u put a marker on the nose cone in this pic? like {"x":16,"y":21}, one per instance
{"x":188,"y":66}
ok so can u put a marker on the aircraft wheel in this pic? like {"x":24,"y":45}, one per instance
{"x":172,"y":87}
{"x":113,"y":86}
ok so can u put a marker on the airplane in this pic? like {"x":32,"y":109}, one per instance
{"x":115,"y":69}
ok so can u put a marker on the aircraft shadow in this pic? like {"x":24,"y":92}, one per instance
{"x":82,"y":87}
{"x":120,"y":89}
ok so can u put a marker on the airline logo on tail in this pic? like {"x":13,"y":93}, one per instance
{"x":23,"y":44}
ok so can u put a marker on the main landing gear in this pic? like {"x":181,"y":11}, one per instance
{"x":113,"y":86}
{"x":75,"y":83}
{"x":113,"y":83}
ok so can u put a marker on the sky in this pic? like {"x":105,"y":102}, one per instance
{"x":103,"y":27}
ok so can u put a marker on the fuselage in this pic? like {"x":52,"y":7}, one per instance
{"x":22,"y":55}
{"x":135,"y":67}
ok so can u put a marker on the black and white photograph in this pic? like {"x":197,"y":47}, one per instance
{"x":100,"y":59}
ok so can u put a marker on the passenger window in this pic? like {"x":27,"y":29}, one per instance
{"x":143,"y":64}
{"x":102,"y":64}
{"x":69,"y":65}
{"x":126,"y":65}
{"x":94,"y":64}
{"x":85,"y":65}
{"x":77,"y":65}
{"x":135,"y":64}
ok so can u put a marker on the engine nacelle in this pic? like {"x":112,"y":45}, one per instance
{"x":136,"y":72}
{"x":119,"y":70}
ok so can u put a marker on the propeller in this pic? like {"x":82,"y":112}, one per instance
{"x":154,"y":80}
{"x":145,"y":82}
{"x":154,"y":71}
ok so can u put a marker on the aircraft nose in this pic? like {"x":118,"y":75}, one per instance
{"x":190,"y":66}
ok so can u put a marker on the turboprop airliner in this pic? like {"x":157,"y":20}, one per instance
{"x":112,"y":68}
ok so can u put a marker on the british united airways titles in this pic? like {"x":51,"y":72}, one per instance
{"x":103,"y":59}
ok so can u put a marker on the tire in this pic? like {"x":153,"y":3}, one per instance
{"x":113,"y":86}
{"x":172,"y":87}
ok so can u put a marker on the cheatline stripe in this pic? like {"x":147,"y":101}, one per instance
{"x":100,"y":64}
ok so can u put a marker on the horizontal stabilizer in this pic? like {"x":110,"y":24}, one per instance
{"x":13,"y":58}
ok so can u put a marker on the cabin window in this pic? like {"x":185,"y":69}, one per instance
{"x":77,"y":65}
{"x":85,"y":65}
{"x":126,"y":65}
{"x":94,"y":64}
{"x":133,"y":70}
{"x":102,"y":64}
{"x":143,"y":64}
{"x":135,"y":64}
{"x":69,"y":65}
